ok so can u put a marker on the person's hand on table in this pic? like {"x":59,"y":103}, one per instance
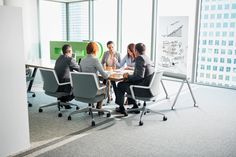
{"x":125,"y":76}
{"x":129,"y":68}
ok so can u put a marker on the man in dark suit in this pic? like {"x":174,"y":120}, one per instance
{"x":143,"y":72}
{"x":64,"y":64}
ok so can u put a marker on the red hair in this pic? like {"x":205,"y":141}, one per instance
{"x":92,"y":48}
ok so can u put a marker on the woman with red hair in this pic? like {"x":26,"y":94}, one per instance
{"x":91,"y":64}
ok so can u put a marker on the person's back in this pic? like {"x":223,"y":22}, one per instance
{"x":63,"y":66}
{"x":91,"y":64}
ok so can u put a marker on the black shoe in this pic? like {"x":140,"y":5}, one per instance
{"x":134,"y":107}
{"x":67,"y":106}
{"x":100,"y":113}
{"x":122,"y":111}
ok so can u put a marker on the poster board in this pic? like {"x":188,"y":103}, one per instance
{"x":173,"y":43}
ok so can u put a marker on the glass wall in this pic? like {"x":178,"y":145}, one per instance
{"x":78,"y":21}
{"x":52,"y":25}
{"x":217,"y":43}
{"x":136,"y":23}
{"x":105,"y":21}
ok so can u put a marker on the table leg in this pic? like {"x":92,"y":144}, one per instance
{"x":108,"y":91}
{"x":32,"y":81}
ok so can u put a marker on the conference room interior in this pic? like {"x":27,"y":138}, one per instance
{"x":191,"y":41}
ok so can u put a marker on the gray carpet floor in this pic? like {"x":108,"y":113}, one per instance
{"x":208,"y":130}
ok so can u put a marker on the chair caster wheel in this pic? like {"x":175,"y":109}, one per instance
{"x":140,"y":123}
{"x":109,"y":114}
{"x":59,"y":114}
{"x":93,"y":123}
{"x":139,"y":104}
{"x":69,"y":118}
{"x":33,"y":95}
{"x":30,"y":105}
{"x":40,"y":110}
{"x":164,"y":118}
{"x":77,"y":108}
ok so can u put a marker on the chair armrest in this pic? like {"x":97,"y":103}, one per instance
{"x":101,"y":88}
{"x":62,"y":84}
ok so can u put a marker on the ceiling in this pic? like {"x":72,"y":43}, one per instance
{"x":67,"y":0}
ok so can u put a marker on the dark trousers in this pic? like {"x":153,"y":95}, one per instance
{"x":122,"y":88}
{"x":66,"y":89}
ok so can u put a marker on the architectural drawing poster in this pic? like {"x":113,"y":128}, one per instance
{"x":173,"y":43}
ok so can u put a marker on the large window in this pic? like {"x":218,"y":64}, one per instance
{"x":136,"y":23}
{"x":105,"y":21}
{"x":78,"y":21}
{"x":217,"y":43}
{"x":176,"y":32}
{"x":52,"y":25}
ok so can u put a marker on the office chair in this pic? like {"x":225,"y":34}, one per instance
{"x":28,"y":73}
{"x":86,"y":89}
{"x":146,"y":93}
{"x":50,"y":86}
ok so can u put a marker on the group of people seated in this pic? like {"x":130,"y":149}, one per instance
{"x":135,"y":59}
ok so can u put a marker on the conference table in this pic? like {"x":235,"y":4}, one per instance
{"x":116,"y":76}
{"x":35,"y":64}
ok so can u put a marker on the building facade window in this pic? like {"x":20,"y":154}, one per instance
{"x":222,"y":43}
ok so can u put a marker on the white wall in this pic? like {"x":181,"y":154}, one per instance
{"x":14,"y":132}
{"x":1,"y":2}
{"x":30,"y":26}
{"x":182,"y":8}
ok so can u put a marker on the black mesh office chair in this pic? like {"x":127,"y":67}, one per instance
{"x":146,"y":93}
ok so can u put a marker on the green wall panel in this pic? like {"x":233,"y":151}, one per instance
{"x":79,"y":48}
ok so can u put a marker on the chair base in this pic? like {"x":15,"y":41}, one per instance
{"x":90,"y":110}
{"x":59,"y":105}
{"x":145,"y":110}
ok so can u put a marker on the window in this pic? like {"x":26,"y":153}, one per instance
{"x":226,"y":16}
{"x":216,"y":51}
{"x":215,"y":60}
{"x":222,"y":60}
{"x":230,"y":52}
{"x":208,"y":67}
{"x":78,"y":21}
{"x":221,"y":68}
{"x":231,"y":42}
{"x":223,"y":43}
{"x":130,"y":24}
{"x":219,"y":16}
{"x":202,"y":59}
{"x":224,"y":47}
{"x":214,"y":68}
{"x":228,"y":69}
{"x":233,"y":15}
{"x":222,"y":51}
{"x":52,"y":25}
{"x":105,"y":22}
{"x":234,"y":6}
